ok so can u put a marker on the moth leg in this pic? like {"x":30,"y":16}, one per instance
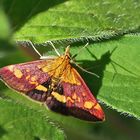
{"x":89,"y":72}
{"x":47,"y":57}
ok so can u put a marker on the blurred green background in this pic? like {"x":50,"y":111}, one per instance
{"x":67,"y":22}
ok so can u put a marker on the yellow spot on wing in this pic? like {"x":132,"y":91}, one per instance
{"x":34,"y":78}
{"x":88,"y":104}
{"x":83,"y":94}
{"x":33,"y":83}
{"x":60,"y":98}
{"x":11,"y":68}
{"x":18,"y":73}
{"x":27,"y":77}
{"x":74,"y":96}
{"x":27,"y":70}
{"x":69,"y":99}
{"x":79,"y":99}
{"x":42,"y":88}
{"x":97,"y":106}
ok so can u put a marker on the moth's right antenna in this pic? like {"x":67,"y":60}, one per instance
{"x":53,"y":47}
{"x":80,"y":50}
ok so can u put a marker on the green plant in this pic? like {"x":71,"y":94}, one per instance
{"x":112,"y":30}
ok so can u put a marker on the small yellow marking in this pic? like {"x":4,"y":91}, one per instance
{"x":27,"y":77}
{"x":88,"y":104}
{"x":11,"y":68}
{"x":83,"y":94}
{"x":33,"y":83}
{"x":18,"y":73}
{"x":97,"y":106}
{"x":74,"y":96}
{"x":60,"y":98}
{"x":69,"y":99}
{"x":52,"y":84}
{"x":27,"y":70}
{"x":79,"y":99}
{"x":34,"y":78}
{"x":42,"y":88}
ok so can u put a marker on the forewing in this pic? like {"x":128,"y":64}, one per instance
{"x":79,"y":100}
{"x":26,"y":76}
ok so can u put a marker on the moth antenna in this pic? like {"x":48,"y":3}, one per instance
{"x":34,"y":48}
{"x":86,"y":70}
{"x":80,"y":50}
{"x":53,"y":47}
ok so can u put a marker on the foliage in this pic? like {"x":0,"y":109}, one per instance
{"x":112,"y":30}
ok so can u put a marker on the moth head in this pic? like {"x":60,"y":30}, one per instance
{"x":67,"y":53}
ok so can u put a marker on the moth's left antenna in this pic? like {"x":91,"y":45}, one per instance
{"x":53,"y":47}
{"x":34,"y":48}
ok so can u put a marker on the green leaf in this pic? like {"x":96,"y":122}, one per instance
{"x":117,"y":64}
{"x":75,"y":19}
{"x":4,"y":25}
{"x":19,"y":12}
{"x":115,"y":59}
{"x":19,"y":122}
{"x":96,"y":21}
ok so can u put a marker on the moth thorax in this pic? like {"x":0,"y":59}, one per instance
{"x":55,"y":81}
{"x":55,"y":86}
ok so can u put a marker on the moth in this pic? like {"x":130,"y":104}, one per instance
{"x":56,"y":84}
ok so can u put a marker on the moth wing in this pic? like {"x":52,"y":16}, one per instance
{"x":25,"y":76}
{"x":79,"y":100}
